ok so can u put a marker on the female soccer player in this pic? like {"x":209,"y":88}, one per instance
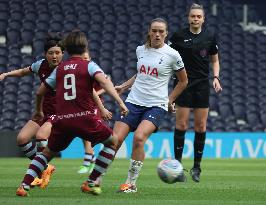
{"x":75,"y":113}
{"x":43,"y":68}
{"x":196,"y":46}
{"x":148,"y":100}
{"x":89,"y":158}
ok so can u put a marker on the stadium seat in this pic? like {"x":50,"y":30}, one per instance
{"x":239,"y":110}
{"x":7,"y":125}
{"x":16,"y":14}
{"x":13,"y":36}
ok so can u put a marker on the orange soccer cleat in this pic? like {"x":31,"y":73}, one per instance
{"x":22,"y":192}
{"x":46,"y":175}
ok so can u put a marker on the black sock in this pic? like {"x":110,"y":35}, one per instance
{"x":179,"y":141}
{"x":199,"y":143}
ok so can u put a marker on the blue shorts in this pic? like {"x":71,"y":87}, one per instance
{"x":138,"y":113}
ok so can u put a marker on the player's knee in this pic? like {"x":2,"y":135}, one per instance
{"x":139,"y":140}
{"x":181,"y":125}
{"x":201,"y":127}
{"x":22,"y":139}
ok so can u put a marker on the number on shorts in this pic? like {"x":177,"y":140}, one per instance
{"x":70,"y":83}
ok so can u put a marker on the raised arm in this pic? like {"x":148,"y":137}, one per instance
{"x":16,"y":73}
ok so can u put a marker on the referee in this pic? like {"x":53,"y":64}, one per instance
{"x":197,"y":48}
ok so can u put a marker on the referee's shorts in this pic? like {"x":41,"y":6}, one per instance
{"x":196,"y":95}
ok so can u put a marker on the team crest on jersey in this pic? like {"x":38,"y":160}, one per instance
{"x":203,"y":53}
{"x":148,"y":71}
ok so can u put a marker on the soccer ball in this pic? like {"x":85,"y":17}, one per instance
{"x":170,"y":170}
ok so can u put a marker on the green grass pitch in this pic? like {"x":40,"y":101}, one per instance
{"x":228,"y":181}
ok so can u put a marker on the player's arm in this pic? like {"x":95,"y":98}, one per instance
{"x":216,"y":71}
{"x":110,"y":89}
{"x":106,"y":114}
{"x":38,"y":114}
{"x":178,"y":89}
{"x":16,"y":73}
{"x":102,"y":91}
{"x":126,"y":85}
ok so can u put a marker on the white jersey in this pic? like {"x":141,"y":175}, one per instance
{"x":155,"y":67}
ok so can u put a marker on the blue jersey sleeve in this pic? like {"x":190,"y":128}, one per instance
{"x":93,"y":69}
{"x":36,"y":66}
{"x":51,"y":80}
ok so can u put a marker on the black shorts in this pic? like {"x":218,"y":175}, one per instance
{"x":196,"y":95}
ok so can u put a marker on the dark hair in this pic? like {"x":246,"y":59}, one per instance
{"x":197,"y":6}
{"x":76,"y":42}
{"x":52,"y":40}
{"x":148,"y":39}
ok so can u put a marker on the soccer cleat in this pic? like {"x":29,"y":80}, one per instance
{"x":83,"y":169}
{"x":195,"y":174}
{"x":91,"y":167}
{"x":21,"y":191}
{"x":127,"y":188}
{"x":88,"y":188}
{"x":86,"y":169}
{"x":46,"y":175}
{"x":182,"y":177}
{"x":37,"y":182}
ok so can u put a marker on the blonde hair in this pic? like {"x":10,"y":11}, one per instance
{"x":197,"y":6}
{"x":148,"y":39}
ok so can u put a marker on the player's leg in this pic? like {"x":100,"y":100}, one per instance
{"x":144,"y":130}
{"x":24,"y":139}
{"x":35,"y":169}
{"x":182,"y":117}
{"x":88,"y":161}
{"x":42,"y":141}
{"x":43,"y":135}
{"x":105,"y":157}
{"x":58,"y":141}
{"x":150,"y":121}
{"x":200,"y":121}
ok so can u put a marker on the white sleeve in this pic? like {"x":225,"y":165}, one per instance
{"x":177,"y":62}
{"x":51,"y":80}
{"x":36,"y":66}
{"x":93,"y":69}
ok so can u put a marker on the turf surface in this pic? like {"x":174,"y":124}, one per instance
{"x":224,"y":182}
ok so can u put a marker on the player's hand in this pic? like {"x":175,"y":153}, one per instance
{"x":106,"y":114}
{"x":119,"y":89}
{"x":123,"y":109}
{"x":2,"y":76}
{"x":171,"y":107}
{"x":216,"y":85}
{"x":37,"y":116}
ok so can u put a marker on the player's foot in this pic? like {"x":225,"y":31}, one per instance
{"x":127,"y":188}
{"x":86,"y":169}
{"x":83,"y":169}
{"x":37,"y":182}
{"x":21,"y":191}
{"x":182,"y":177}
{"x":195,"y":174}
{"x":46,"y":175}
{"x":91,"y":167}
{"x":90,"y":188}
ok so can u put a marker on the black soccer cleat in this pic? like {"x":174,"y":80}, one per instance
{"x":195,"y":174}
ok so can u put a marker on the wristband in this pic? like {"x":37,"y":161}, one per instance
{"x":217,"y":78}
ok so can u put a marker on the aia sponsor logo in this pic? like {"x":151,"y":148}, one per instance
{"x":148,"y":71}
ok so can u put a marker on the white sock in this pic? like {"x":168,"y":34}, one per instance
{"x":133,"y":171}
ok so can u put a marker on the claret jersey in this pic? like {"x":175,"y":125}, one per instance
{"x":73,"y":80}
